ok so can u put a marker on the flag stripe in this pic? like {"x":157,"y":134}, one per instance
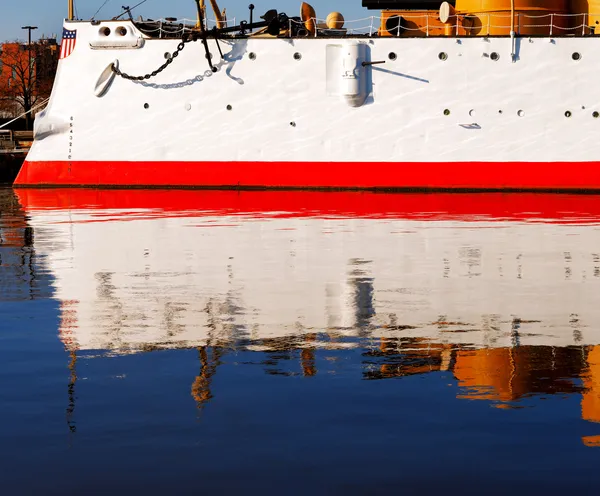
{"x":68,"y":43}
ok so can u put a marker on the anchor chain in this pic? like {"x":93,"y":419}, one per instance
{"x":174,"y":55}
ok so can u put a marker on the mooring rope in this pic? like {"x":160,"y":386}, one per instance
{"x":25,"y":113}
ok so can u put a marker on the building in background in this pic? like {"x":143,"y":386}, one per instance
{"x":26,"y":76}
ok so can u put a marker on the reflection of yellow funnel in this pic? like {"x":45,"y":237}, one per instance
{"x":590,"y":402}
{"x":309,"y":17}
{"x":591,"y":441}
{"x":486,"y":374}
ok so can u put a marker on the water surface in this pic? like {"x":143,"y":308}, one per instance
{"x":183,"y":342}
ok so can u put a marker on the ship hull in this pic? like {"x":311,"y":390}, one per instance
{"x":440,"y":113}
{"x":516,"y":176}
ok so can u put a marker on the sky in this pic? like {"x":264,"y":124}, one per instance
{"x":48,"y":14}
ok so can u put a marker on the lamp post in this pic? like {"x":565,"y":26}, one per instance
{"x":27,"y":95}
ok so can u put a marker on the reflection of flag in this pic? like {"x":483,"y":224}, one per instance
{"x":68,"y":43}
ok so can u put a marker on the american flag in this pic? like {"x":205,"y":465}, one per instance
{"x":68,"y":43}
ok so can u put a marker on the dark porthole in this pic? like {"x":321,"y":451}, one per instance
{"x":252,"y":56}
{"x":595,"y":114}
{"x":146,"y":106}
{"x":494,"y":56}
{"x":392,"y":56}
{"x":167,"y":55}
{"x":576,"y":56}
{"x":446,"y":111}
{"x":297,"y":56}
{"x":443,"y":56}
{"x":293,"y":124}
{"x":568,"y":113}
{"x":229,"y":107}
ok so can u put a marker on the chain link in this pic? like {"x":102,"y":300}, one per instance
{"x":174,"y":55}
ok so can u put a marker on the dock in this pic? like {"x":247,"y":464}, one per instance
{"x":14,"y":146}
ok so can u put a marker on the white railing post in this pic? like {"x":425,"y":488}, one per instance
{"x":427,"y":25}
{"x":371,"y":28}
{"x":583,"y":26}
{"x":551,"y":23}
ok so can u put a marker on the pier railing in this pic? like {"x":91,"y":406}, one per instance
{"x":15,"y":141}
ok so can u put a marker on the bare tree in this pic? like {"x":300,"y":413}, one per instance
{"x":26,"y":76}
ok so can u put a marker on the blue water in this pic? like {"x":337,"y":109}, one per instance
{"x":353,"y":414}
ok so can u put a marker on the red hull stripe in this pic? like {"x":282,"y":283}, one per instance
{"x":421,"y":175}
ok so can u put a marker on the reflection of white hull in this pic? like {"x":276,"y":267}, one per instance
{"x":128,"y":284}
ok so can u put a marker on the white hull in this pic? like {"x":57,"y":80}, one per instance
{"x":286,"y":111}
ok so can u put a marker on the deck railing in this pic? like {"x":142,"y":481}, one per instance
{"x":427,"y":24}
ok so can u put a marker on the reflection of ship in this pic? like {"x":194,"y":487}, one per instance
{"x":167,"y":281}
{"x":507,"y":302}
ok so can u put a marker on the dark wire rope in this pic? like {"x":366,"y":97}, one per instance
{"x":130,"y":9}
{"x":101,"y":7}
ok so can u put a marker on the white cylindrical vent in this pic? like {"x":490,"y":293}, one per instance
{"x":346,"y":75}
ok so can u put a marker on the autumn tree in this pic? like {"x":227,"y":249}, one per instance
{"x":26,"y":75}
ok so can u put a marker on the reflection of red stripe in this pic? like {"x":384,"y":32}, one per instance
{"x":151,"y":203}
{"x":422,"y":175}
